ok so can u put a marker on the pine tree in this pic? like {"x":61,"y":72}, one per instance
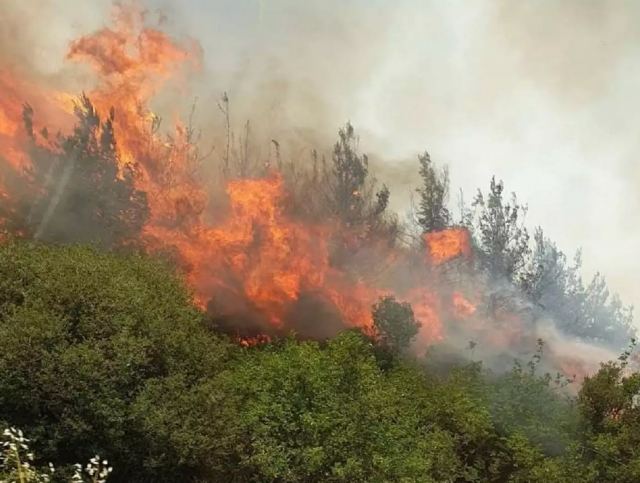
{"x":558,"y":291}
{"x":432,"y":213}
{"x":503,"y":240}
{"x":352,"y":197}
{"x":350,"y":170}
{"x":85,"y":194}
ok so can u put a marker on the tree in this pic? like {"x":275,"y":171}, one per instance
{"x":395,"y":324}
{"x":105,"y":354}
{"x":432,"y":213}
{"x":611,"y":433}
{"x":351,"y":189}
{"x":605,"y":318}
{"x":503,"y":240}
{"x":329,"y":413}
{"x":557,"y":289}
{"x":524,"y":402}
{"x":85,"y":192}
{"x":547,"y":277}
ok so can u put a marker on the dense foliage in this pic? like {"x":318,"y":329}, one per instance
{"x":104,"y":353}
{"x":86,"y":337}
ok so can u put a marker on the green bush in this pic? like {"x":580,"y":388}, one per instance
{"x":85,"y":337}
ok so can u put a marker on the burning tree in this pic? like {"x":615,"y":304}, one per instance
{"x":85,"y":193}
{"x":302,"y":248}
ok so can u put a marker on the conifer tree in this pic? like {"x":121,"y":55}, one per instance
{"x":432,"y":213}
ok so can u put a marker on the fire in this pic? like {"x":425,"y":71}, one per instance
{"x":426,"y":310}
{"x":251,"y":260}
{"x":245,"y":256}
{"x":261,"y":261}
{"x":461,"y":306}
{"x":273,"y":258}
{"x":445,"y":245}
{"x":132,"y":62}
{"x":15,"y":140}
{"x":12,"y":136}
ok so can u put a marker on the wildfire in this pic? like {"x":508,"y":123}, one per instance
{"x":251,"y":260}
{"x":132,"y":62}
{"x":445,"y":245}
{"x":244,"y":254}
{"x":272,"y":258}
{"x":11,"y":132}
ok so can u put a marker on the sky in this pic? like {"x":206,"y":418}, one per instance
{"x":541,"y":94}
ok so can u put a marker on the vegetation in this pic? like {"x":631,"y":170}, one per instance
{"x":104,"y":354}
{"x":394,"y":323}
{"x":16,"y":463}
{"x":83,"y":192}
{"x":86,"y":338}
{"x":432,"y":212}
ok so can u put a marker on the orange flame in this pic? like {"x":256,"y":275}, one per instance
{"x":461,"y":306}
{"x":132,"y":62}
{"x":445,"y":245}
{"x":254,"y":259}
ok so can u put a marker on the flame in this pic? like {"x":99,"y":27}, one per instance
{"x":445,"y":245}
{"x":257,"y":259}
{"x":15,"y":141}
{"x":254,"y":259}
{"x":132,"y":62}
{"x":426,"y":309}
{"x":254,"y":341}
{"x":261,"y":256}
{"x":12,"y":136}
{"x":461,"y":306}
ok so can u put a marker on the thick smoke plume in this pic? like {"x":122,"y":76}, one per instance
{"x":271,"y":236}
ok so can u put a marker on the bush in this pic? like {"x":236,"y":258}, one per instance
{"x":85,"y":336}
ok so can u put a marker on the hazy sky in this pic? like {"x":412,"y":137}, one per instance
{"x":540,"y":93}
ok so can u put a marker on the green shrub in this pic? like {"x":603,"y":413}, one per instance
{"x":85,"y":335}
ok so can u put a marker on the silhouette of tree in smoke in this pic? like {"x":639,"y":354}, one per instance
{"x":432,"y":213}
{"x":85,"y":193}
{"x":350,"y":186}
{"x":556,"y":287}
{"x":503,"y":241}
